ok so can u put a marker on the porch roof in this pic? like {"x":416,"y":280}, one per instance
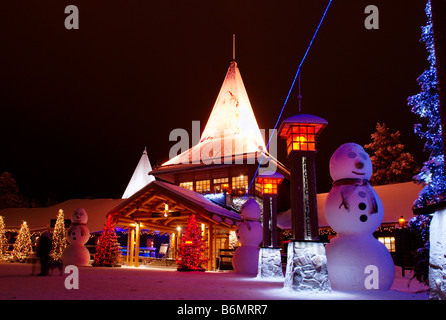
{"x":148,"y":205}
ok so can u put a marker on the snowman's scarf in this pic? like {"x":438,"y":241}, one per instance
{"x":350,"y":186}
{"x":247,"y":222}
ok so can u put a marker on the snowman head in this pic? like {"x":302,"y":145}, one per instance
{"x":250,"y":210}
{"x":350,"y":161}
{"x":79,"y":216}
{"x":78,"y":233}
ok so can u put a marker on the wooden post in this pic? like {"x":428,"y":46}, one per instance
{"x":137,"y":245}
{"x":172,"y":250}
{"x":128,"y":245}
{"x":211,"y":240}
{"x":132,"y":247}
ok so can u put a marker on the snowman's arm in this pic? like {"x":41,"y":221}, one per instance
{"x":344,"y":202}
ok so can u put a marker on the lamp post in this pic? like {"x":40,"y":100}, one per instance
{"x":269,"y":181}
{"x":402,"y":223}
{"x":300,"y":132}
{"x":270,"y":260}
{"x":306,"y":259}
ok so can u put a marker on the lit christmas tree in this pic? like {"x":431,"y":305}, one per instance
{"x":191,"y":248}
{"x":3,"y":240}
{"x":59,"y":238}
{"x":107,"y":250}
{"x":23,"y":244}
{"x":426,"y":104}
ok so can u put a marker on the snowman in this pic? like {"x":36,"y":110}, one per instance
{"x":356,"y":260}
{"x":250,"y":235}
{"x":78,"y":234}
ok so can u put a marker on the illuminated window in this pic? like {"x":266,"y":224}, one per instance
{"x":187,"y":185}
{"x":239,"y":185}
{"x":203,"y":186}
{"x":259,"y":189}
{"x":389,"y":242}
{"x":269,"y":186}
{"x":221,"y":185}
{"x":301,"y":138}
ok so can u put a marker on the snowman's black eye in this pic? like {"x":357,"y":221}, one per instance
{"x":352,"y":155}
{"x":363,"y":218}
{"x":362,"y":206}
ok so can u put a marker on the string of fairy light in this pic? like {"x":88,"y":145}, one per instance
{"x":297,"y":75}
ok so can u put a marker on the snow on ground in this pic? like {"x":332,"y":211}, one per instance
{"x":17,"y":283}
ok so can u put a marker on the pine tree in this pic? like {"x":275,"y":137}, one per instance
{"x":426,"y":104}
{"x":59,"y":238}
{"x":9,"y":192}
{"x":390,"y":163}
{"x":107,"y":250}
{"x":23,"y":244}
{"x":3,"y":240}
{"x":191,"y":248}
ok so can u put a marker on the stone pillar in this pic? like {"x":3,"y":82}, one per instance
{"x":307,"y":267}
{"x":437,"y":256}
{"x":270,"y":263}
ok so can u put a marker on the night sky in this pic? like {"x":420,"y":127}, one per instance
{"x":79,"y":106}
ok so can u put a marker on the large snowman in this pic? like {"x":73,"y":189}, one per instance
{"x":356,"y":260}
{"x":77,"y":234}
{"x":250,"y":235}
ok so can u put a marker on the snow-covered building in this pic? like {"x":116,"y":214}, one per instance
{"x":208,"y":180}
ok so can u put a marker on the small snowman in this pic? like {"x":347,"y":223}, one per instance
{"x":78,"y":234}
{"x":250,"y":235}
{"x":356,"y":260}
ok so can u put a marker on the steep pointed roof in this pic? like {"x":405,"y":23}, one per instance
{"x":231,"y":130}
{"x":140,"y":177}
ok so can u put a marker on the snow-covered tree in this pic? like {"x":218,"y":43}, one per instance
{"x":59,"y":237}
{"x":390,"y":163}
{"x":426,"y":104}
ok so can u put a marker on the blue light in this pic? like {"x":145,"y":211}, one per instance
{"x":289,"y":92}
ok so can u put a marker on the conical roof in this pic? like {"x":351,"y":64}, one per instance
{"x":140,"y":177}
{"x":231,"y":129}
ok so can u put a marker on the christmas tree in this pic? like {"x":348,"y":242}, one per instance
{"x":191,"y":248}
{"x":23,"y":244}
{"x":3,"y":240}
{"x":59,"y":239}
{"x":107,"y":249}
{"x":426,"y":104}
{"x":390,"y":163}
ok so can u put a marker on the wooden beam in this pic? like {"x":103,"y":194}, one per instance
{"x":158,"y":227}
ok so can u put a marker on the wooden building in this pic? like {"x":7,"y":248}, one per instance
{"x":211,"y":180}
